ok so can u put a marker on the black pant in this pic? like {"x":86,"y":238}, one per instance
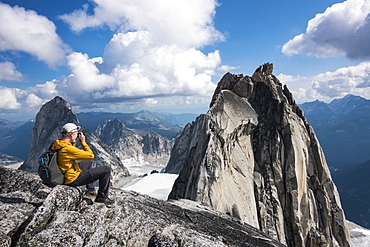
{"x":89,"y":175}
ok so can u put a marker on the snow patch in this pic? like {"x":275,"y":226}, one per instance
{"x":140,"y":167}
{"x":157,"y":185}
{"x":15,"y":165}
{"x":360,"y":237}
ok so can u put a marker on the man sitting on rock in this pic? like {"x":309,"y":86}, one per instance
{"x":78,"y":174}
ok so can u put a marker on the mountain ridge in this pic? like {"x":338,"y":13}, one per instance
{"x":342,"y":128}
{"x":258,"y":160}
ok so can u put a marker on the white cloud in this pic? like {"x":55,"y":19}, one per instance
{"x":9,"y":73}
{"x":29,"y":32}
{"x":34,"y":101}
{"x":330,"y":85}
{"x":227,"y":68}
{"x":348,"y":80}
{"x":155,"y":54}
{"x":8,"y":98}
{"x":342,"y":30}
{"x":164,"y":71}
{"x":154,"y":59}
{"x":150,"y":101}
{"x":289,"y":78}
{"x":20,"y":104}
{"x":184,"y":23}
{"x":85,"y":76}
{"x":46,"y":91}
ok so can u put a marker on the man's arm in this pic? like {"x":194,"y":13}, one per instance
{"x":75,"y":153}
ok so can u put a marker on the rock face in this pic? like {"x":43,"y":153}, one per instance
{"x":184,"y":144}
{"x":138,"y":144}
{"x":257,"y":159}
{"x":35,"y":215}
{"x":49,"y":122}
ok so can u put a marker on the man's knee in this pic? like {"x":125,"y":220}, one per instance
{"x":107,"y":169}
{"x":100,"y":171}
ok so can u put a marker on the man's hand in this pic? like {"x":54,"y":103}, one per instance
{"x":81,"y":137}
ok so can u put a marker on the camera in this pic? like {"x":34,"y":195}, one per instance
{"x":79,"y":134}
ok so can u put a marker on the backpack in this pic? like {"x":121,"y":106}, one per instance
{"x":48,"y":170}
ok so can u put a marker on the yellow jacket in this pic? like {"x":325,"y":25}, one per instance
{"x":67,"y":157}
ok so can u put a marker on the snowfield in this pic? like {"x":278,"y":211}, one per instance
{"x":360,"y":237}
{"x":140,"y":167}
{"x":157,"y":185}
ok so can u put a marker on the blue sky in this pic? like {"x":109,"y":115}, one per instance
{"x":168,"y":55}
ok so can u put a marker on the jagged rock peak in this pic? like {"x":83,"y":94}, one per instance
{"x":268,"y":86}
{"x":111,"y":130}
{"x":143,"y":146}
{"x":263,"y":72}
{"x":48,"y":125}
{"x":49,"y":121}
{"x":257,"y":159}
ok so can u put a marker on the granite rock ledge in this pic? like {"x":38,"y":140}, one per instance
{"x":35,"y":215}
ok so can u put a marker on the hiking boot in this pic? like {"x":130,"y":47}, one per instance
{"x":106,"y":201}
{"x":91,"y":193}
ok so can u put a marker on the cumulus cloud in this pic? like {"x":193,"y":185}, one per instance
{"x":47,"y":90}
{"x":31,"y":33}
{"x":34,"y":101}
{"x":155,"y":54}
{"x":150,"y":101}
{"x":154,"y":59}
{"x":9,"y":73}
{"x":184,"y":23}
{"x":347,"y":80}
{"x":289,"y":78}
{"x":29,"y":99}
{"x":330,"y":85}
{"x":9,"y":98}
{"x":85,"y":75}
{"x":164,"y":72}
{"x":342,"y":30}
{"x":227,"y":68}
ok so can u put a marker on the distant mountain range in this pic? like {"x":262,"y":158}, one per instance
{"x":15,"y":137}
{"x":341,"y":126}
{"x":164,"y":124}
{"x":343,"y":129}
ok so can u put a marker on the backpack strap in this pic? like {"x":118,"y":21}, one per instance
{"x":51,"y":145}
{"x":57,"y":150}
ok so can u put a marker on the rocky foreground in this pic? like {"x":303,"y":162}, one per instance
{"x":35,"y":215}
